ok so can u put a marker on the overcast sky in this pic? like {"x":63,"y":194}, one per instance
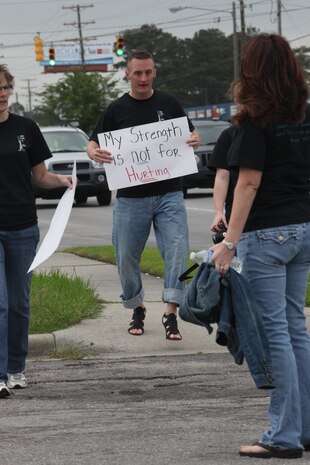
{"x":21,"y":20}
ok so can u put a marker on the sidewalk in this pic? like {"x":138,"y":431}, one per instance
{"x":107,"y":335}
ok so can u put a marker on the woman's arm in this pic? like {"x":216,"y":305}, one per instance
{"x":220,"y":189}
{"x":47,"y":180}
{"x":244,"y":195}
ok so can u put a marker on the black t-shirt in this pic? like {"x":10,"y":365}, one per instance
{"x":126,"y":112}
{"x":22,"y":146}
{"x":282,"y":153}
{"x":220,"y":159}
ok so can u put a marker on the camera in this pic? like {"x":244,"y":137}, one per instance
{"x":219,"y":236}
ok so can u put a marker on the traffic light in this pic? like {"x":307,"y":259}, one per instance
{"x":119,"y":46}
{"x":51,"y":56}
{"x":39,"y":51}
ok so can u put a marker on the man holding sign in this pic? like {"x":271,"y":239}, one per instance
{"x":160,"y":203}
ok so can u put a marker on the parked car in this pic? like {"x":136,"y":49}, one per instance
{"x":209,"y":132}
{"x":68,"y":144}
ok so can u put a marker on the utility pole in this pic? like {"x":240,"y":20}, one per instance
{"x":279,"y":17}
{"x":77,"y":8}
{"x":235,"y":41}
{"x":242,"y":24}
{"x":29,"y":94}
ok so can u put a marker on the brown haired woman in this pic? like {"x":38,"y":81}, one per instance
{"x":270,"y":226}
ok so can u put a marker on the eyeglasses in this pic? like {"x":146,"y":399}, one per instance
{"x":5,"y":88}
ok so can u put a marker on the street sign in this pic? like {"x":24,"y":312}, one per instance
{"x":66,"y":55}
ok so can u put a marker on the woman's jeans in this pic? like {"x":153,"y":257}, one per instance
{"x":132,"y":221}
{"x":17,"y":250}
{"x":276,"y":262}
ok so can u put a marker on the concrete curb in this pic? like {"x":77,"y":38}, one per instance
{"x":41,"y":344}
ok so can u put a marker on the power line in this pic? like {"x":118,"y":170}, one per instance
{"x":115,"y":29}
{"x":41,"y":2}
{"x":79,"y":24}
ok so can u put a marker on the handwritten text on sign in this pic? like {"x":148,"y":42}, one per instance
{"x":148,"y":153}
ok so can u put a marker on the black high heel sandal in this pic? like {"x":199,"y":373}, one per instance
{"x":137,"y":321}
{"x":171,"y":327}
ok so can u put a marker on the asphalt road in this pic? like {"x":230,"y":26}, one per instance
{"x":91,"y":224}
{"x":179,"y":410}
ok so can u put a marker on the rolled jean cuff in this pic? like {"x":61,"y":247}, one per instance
{"x":134,"y":302}
{"x":173,"y":296}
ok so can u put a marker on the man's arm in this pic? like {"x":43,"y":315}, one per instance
{"x":97,"y":154}
{"x":245,"y":192}
{"x":194,"y":140}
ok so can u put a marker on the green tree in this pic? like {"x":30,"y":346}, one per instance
{"x":303,"y":54}
{"x":79,"y":97}
{"x":211,"y":62}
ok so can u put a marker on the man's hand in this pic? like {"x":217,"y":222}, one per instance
{"x":97,"y":154}
{"x":100,"y":156}
{"x":194,"y":140}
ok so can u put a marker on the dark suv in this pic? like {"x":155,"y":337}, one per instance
{"x":68,"y":144}
{"x":209,"y":132}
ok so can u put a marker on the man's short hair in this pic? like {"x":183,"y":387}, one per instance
{"x":139,"y":55}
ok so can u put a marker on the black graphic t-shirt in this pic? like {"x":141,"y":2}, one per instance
{"x":127,"y":112}
{"x":22,"y":147}
{"x":282,"y":154}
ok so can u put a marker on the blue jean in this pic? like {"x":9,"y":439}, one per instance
{"x":132,"y":221}
{"x":276,"y":261}
{"x":230,"y":303}
{"x":17,"y":250}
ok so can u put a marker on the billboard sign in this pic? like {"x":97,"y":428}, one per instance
{"x":71,"y":54}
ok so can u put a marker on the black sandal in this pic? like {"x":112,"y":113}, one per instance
{"x":171,"y":327}
{"x":137,"y":321}
{"x":268,"y":452}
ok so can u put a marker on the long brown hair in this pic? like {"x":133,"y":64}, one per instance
{"x":271,"y":86}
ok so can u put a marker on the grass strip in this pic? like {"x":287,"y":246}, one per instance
{"x":151,"y":261}
{"x":59,"y":301}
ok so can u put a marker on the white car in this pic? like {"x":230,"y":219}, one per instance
{"x":68,"y":144}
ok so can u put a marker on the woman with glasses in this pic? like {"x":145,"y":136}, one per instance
{"x":22,"y":153}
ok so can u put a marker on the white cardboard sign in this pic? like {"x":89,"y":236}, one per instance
{"x":148,"y":153}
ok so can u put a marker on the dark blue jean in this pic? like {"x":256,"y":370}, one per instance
{"x":17,"y":250}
